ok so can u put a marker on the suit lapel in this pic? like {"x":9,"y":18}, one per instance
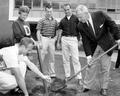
{"x":96,"y":24}
{"x":88,"y":31}
{"x":97,"y":21}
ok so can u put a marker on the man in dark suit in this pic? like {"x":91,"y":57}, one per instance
{"x":99,"y":33}
{"x":117,"y":64}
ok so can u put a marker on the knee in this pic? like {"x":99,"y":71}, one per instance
{"x":9,"y":85}
{"x":13,"y":85}
{"x":43,"y":52}
{"x":75,"y":59}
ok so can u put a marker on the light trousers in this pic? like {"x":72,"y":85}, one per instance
{"x":100,"y":67}
{"x":70,"y":48}
{"x":48,"y":46}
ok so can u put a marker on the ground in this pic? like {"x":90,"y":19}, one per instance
{"x":34,"y":84}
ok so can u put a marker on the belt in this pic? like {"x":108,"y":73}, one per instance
{"x":69,"y":36}
{"x":3,"y":68}
{"x":48,"y":36}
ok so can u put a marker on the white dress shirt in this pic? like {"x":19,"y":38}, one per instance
{"x":91,"y":22}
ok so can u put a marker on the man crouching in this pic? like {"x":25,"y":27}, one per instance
{"x":16,"y":62}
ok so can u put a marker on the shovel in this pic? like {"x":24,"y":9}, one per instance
{"x":40,"y":64}
{"x":60,"y":84}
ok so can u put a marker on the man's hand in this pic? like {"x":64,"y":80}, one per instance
{"x":89,"y":59}
{"x":47,"y":78}
{"x":118,"y":42}
{"x":79,"y":44}
{"x":39,"y":44}
{"x":55,"y":38}
{"x":58,"y":46}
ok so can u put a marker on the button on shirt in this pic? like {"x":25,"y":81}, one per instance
{"x":69,"y":27}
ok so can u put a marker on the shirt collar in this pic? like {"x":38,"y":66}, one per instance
{"x":49,"y":18}
{"x":20,"y":19}
{"x":89,"y":19}
{"x":68,"y":17}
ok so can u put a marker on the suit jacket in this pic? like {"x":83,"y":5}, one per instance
{"x":106,"y":33}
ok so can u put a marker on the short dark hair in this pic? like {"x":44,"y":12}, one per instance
{"x":48,"y":5}
{"x":25,"y":9}
{"x":67,"y":4}
{"x":26,"y":41}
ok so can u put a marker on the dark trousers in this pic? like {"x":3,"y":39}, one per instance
{"x":118,"y":60}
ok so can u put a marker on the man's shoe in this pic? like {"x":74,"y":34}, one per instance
{"x":103,"y":92}
{"x":52,"y":77}
{"x":86,"y":90}
{"x":16,"y":91}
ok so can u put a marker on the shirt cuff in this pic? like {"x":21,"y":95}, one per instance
{"x":89,"y":56}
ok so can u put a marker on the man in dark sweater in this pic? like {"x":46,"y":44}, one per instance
{"x":20,"y":26}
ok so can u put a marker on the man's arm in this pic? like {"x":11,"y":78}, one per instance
{"x":112,"y":26}
{"x":39,"y":28}
{"x":20,"y":80}
{"x":16,"y":30}
{"x":39,"y":36}
{"x":87,"y":48}
{"x":59,"y":35}
{"x":59,"y":32}
{"x":34,"y":68}
{"x":86,"y":45}
{"x":85,"y":41}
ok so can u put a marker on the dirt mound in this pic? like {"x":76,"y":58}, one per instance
{"x":39,"y":90}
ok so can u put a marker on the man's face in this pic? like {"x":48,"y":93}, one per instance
{"x":49,"y":12}
{"x":23,"y":16}
{"x":27,"y":49}
{"x":82,"y":16}
{"x":67,"y":10}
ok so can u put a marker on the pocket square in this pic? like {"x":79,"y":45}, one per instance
{"x":101,"y":25}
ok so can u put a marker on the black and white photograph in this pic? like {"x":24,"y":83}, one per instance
{"x":59,"y":47}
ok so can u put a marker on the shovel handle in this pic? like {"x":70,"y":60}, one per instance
{"x":92,"y":62}
{"x":40,"y":64}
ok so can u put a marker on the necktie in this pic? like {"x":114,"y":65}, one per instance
{"x":91,"y":28}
